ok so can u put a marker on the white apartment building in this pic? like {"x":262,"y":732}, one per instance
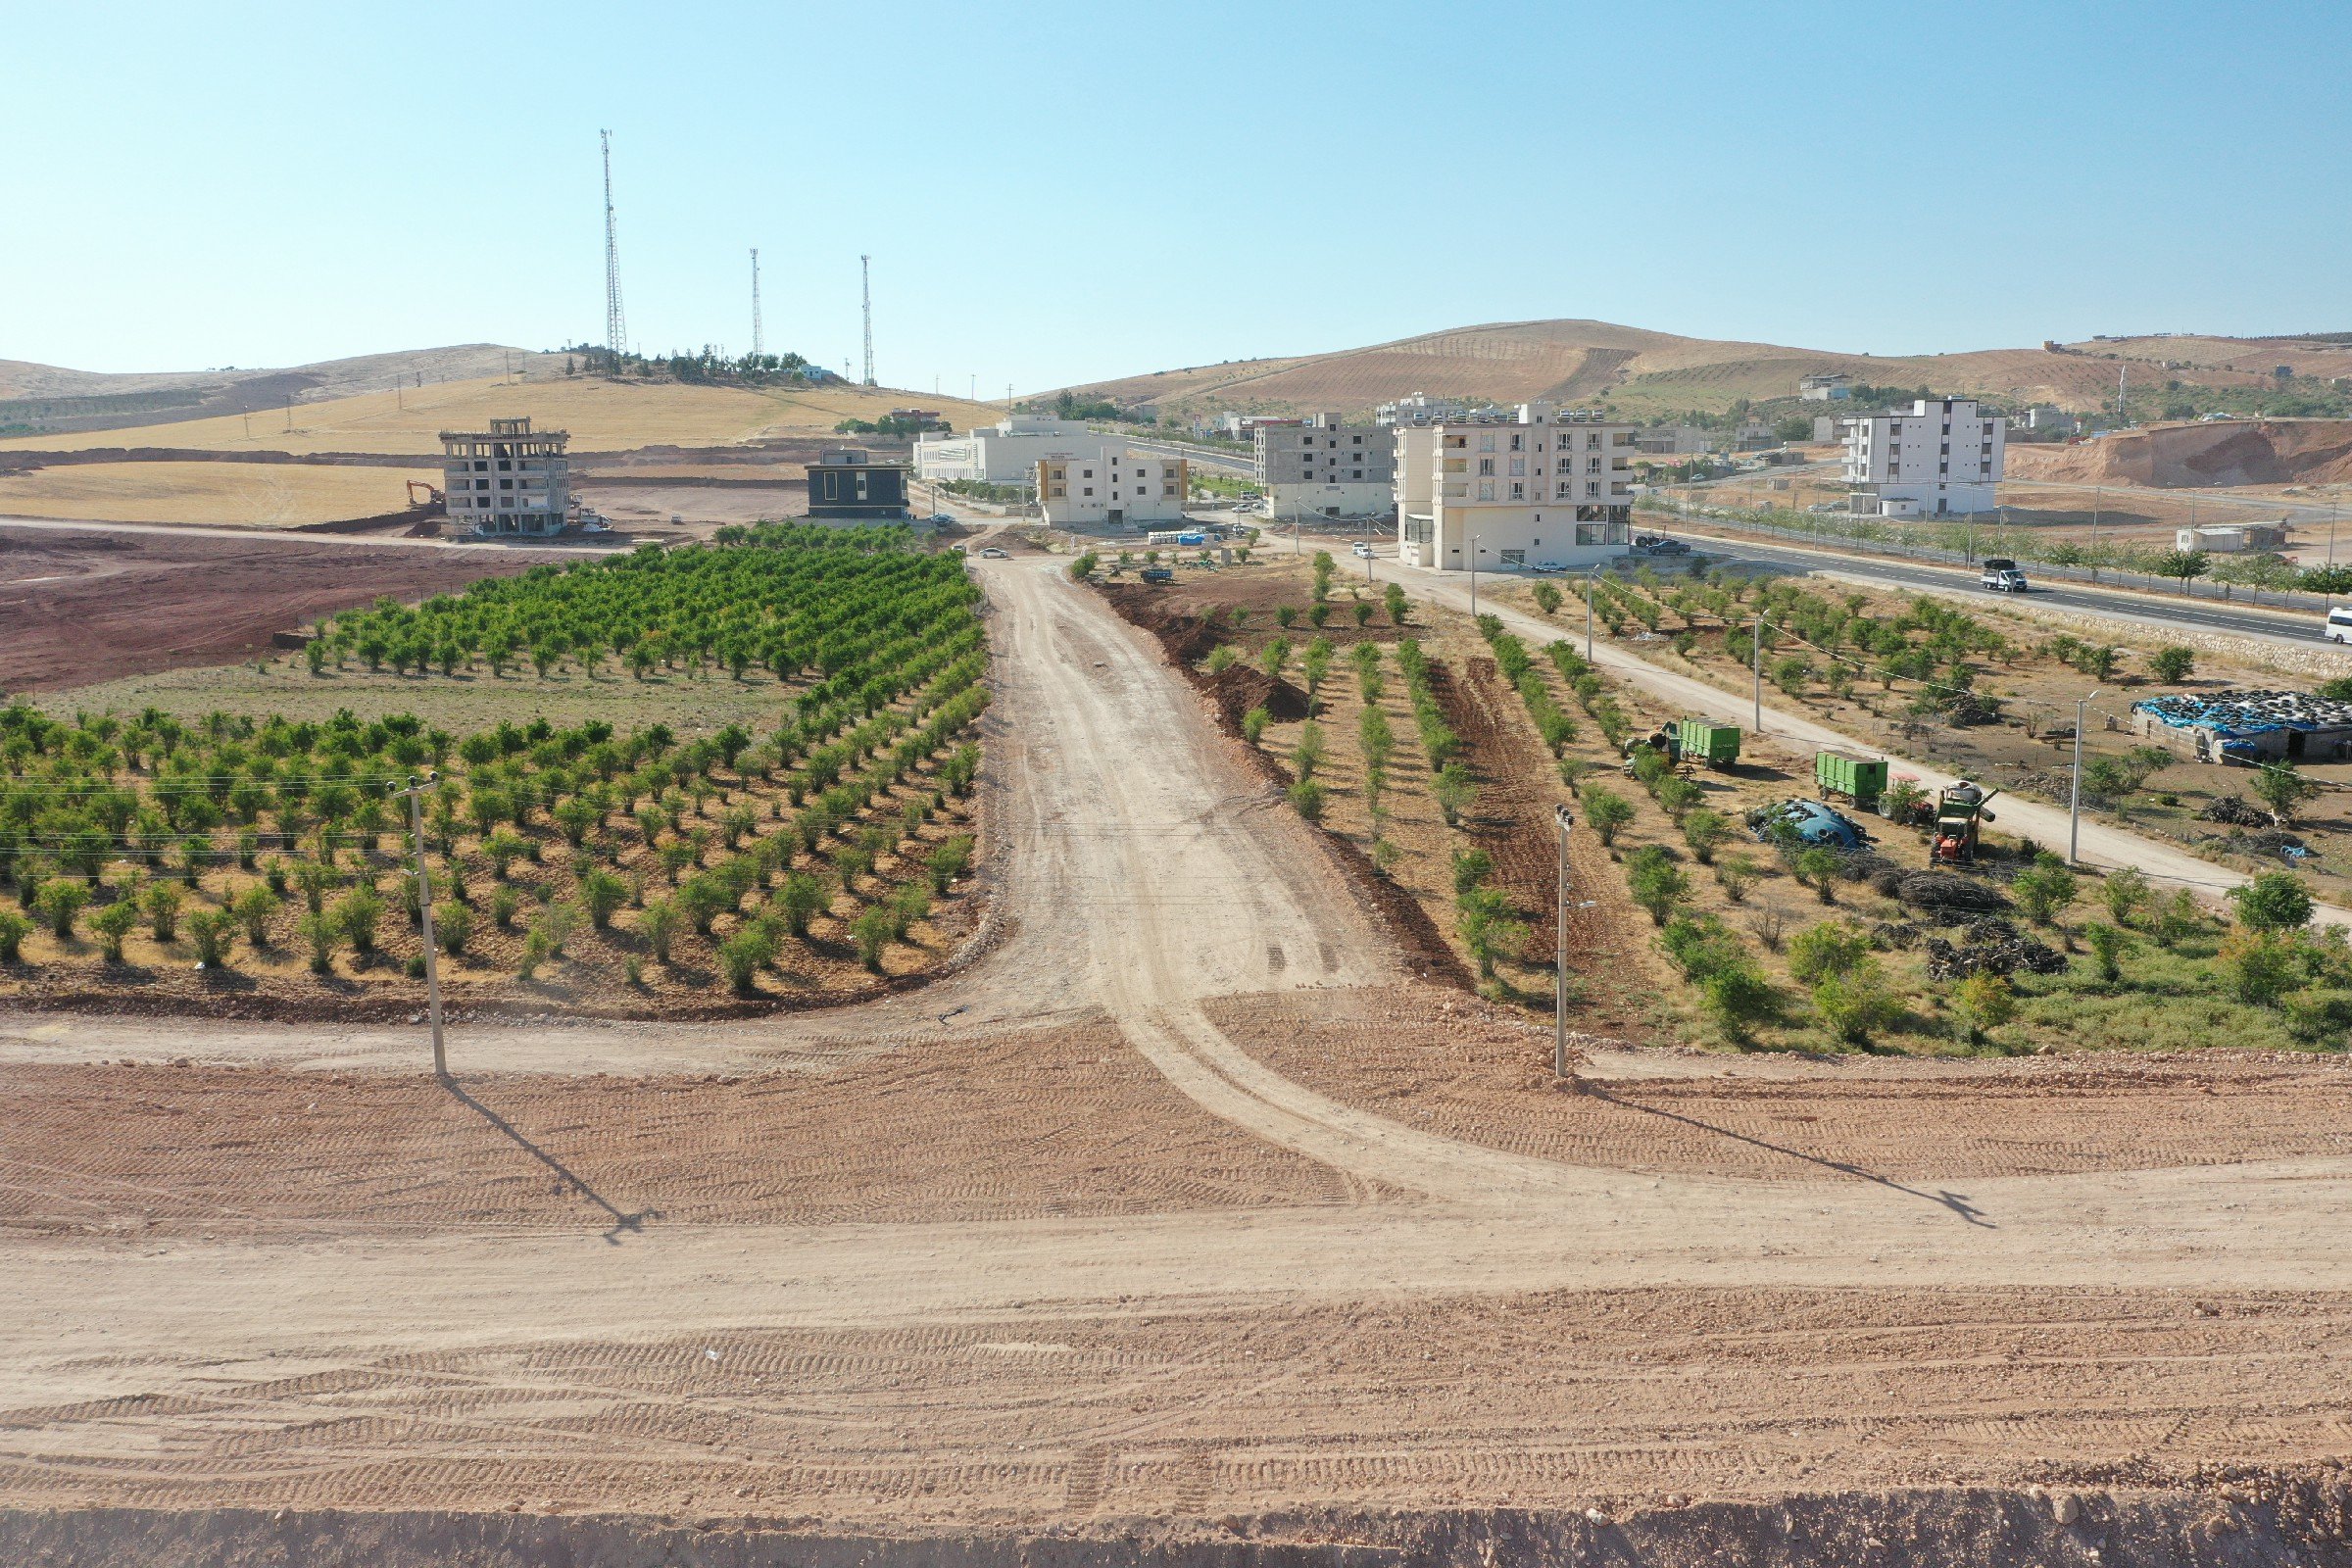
{"x":1322,"y":468}
{"x":1546,"y":488}
{"x":1942,"y":458}
{"x":1006,"y":452}
{"x":507,"y":480}
{"x":1116,"y":488}
{"x":1420,"y":409}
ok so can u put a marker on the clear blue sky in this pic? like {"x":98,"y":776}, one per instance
{"x":1055,"y":193}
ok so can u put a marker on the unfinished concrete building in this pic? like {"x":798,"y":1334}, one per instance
{"x":507,"y":480}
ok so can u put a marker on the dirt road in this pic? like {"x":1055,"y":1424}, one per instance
{"x":1109,"y":1223}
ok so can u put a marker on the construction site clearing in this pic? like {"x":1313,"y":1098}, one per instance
{"x":1200,"y":1218}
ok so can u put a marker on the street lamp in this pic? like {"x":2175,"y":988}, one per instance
{"x":414,"y":792}
{"x":2074,"y":809}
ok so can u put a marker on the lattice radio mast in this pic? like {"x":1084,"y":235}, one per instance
{"x":617,"y":328}
{"x":866,"y":291}
{"x":757,"y":345}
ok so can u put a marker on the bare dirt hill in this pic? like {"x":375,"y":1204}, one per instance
{"x":2235,"y":452}
{"x":1644,"y":373}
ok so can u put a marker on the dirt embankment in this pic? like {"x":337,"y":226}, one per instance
{"x":1187,"y":639}
{"x":2261,"y":1520}
{"x":2231,"y":452}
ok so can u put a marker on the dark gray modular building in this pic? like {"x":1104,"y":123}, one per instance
{"x":847,"y":482}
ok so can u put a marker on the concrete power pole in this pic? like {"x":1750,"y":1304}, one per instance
{"x":865,"y":294}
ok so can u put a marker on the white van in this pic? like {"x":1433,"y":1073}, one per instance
{"x":2339,"y":624}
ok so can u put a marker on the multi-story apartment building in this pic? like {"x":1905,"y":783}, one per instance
{"x":1420,"y":409}
{"x":1943,"y":457}
{"x":1006,"y":452}
{"x":1116,"y":488}
{"x":1322,"y":468}
{"x":505,"y":479}
{"x":1544,"y":488}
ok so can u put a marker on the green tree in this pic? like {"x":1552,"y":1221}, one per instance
{"x":1984,"y":1001}
{"x":1706,"y":831}
{"x":1547,"y":598}
{"x":658,"y":923}
{"x":111,"y":924}
{"x":801,"y":900}
{"x":1306,"y":797}
{"x":211,"y":933}
{"x":2045,"y":890}
{"x":2172,"y":664}
{"x":742,"y":955}
{"x":1454,"y":791}
{"x":1827,"y":948}
{"x":1655,"y":882}
{"x":2274,"y":900}
{"x":2282,"y":789}
{"x":254,"y":909}
{"x":1606,"y":812}
{"x":319,"y":938}
{"x":2107,"y":944}
{"x":1817,"y":867}
{"x":2126,"y":893}
{"x":14,"y":929}
{"x":948,"y":860}
{"x":357,"y":914}
{"x":1488,"y":928}
{"x":2187,"y":565}
{"x":1855,"y":1003}
{"x":1254,"y":725}
{"x":870,"y":931}
{"x":1471,"y":868}
{"x":59,"y":902}
{"x":453,"y":927}
{"x":2261,"y":965}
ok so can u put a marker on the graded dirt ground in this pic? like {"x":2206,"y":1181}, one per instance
{"x":601,"y":415}
{"x":247,"y":495}
{"x":1060,"y":1245}
{"x":78,"y":607}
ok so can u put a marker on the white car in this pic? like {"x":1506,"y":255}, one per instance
{"x":2339,"y":624}
{"x":1363,"y":551}
{"x":992,"y":552}
{"x":2004,"y":580}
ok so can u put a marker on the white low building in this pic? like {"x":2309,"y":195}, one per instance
{"x":1117,"y":488}
{"x":1940,"y":459}
{"x":1008,"y":451}
{"x":1545,"y":488}
{"x":1321,"y":468}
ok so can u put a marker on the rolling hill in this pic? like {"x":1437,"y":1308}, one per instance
{"x":1655,"y":374}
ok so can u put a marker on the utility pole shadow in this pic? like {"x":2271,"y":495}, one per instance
{"x":632,"y":1222}
{"x":1957,"y":1202}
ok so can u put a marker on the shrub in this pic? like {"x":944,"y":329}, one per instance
{"x":253,"y":909}
{"x":1830,"y":947}
{"x":14,"y":929}
{"x":1084,"y":566}
{"x":1732,"y":874}
{"x":2274,"y":900}
{"x":59,"y":902}
{"x":357,"y":914}
{"x":2318,"y":1017}
{"x":658,"y":923}
{"x":907,"y":905}
{"x":1983,"y":1001}
{"x":948,"y":860}
{"x":538,"y":946}
{"x":1738,"y":997}
{"x":2282,"y":789}
{"x":2045,"y":889}
{"x":1608,"y":811}
{"x":453,"y":927}
{"x":1655,"y":882}
{"x":504,"y":903}
{"x":1817,"y":867}
{"x":1385,"y":855}
{"x":111,"y":924}
{"x":2261,"y":966}
{"x":1454,"y":791}
{"x":1678,"y":796}
{"x":603,"y":893}
{"x":2126,"y":893}
{"x":1306,"y":754}
{"x":1547,"y":598}
{"x":1488,"y":928}
{"x":210,"y":933}
{"x":1471,"y":868}
{"x":1307,"y":796}
{"x":1254,"y":725}
{"x":741,"y":957}
{"x":2172,"y":664}
{"x":870,"y":931}
{"x":1855,"y":1003}
{"x":1704,"y":831}
{"x":1221,"y":659}
{"x":1393,"y":600}
{"x":2107,"y":945}
{"x":320,"y":937}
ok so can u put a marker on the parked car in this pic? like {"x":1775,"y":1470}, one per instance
{"x":2006,"y":580}
{"x":992,"y":552}
{"x":1662,"y":547}
{"x":1363,"y":551}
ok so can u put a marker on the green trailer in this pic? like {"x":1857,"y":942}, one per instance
{"x":1704,"y":741}
{"x":1860,"y":779}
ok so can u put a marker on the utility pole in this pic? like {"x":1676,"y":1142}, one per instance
{"x":865,"y":294}
{"x":1474,"y":576}
{"x":425,"y":912}
{"x":1564,"y":819}
{"x":2074,"y":809}
{"x":2123,"y":394}
{"x":1592,"y":589}
{"x":1757,"y":637}
{"x":616,"y":329}
{"x":759,"y":338}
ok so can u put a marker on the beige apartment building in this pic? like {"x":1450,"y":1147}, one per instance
{"x":1113,"y":488}
{"x":1321,"y":468}
{"x":507,"y":480}
{"x":1544,"y":488}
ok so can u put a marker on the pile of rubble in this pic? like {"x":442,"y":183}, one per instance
{"x":2236,"y":810}
{"x":1991,"y":946}
{"x":1945,"y":896}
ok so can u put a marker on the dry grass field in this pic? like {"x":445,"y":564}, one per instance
{"x":602,"y":415}
{"x":257,"y":495}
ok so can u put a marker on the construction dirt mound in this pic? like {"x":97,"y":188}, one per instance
{"x":2252,"y":1520}
{"x":2231,"y":452}
{"x":1238,"y":688}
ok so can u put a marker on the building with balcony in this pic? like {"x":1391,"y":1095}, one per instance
{"x":1115,"y":488}
{"x":1546,"y":488}
{"x":507,"y":480}
{"x":1942,"y":458}
{"x":1322,"y":468}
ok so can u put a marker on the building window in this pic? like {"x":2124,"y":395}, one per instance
{"x":1061,"y":490}
{"x":1518,"y":492}
{"x":1086,"y":474}
{"x":1514,"y":558}
{"x":1592,"y":487}
{"x":1357,"y":474}
{"x":1485,"y":465}
{"x":1519,"y":467}
{"x":1566,"y":489}
{"x":1090,"y":490}
{"x":1591,"y":439}
{"x":1518,"y":443}
{"x":1486,"y":490}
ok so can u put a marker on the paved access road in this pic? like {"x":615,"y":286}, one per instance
{"x":2297,"y":626}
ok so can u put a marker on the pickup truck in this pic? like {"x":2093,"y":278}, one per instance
{"x":2003,"y":579}
{"x":1158,"y":574}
